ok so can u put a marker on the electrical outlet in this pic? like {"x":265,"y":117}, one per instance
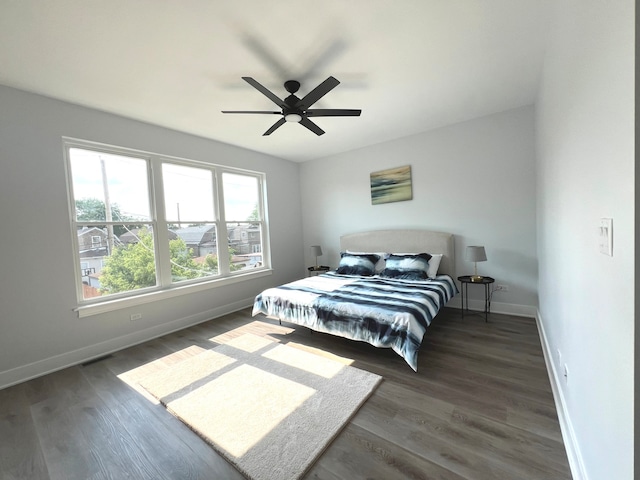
{"x":136,"y":316}
{"x":502,"y":288}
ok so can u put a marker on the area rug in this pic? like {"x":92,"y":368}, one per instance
{"x":268,"y":408}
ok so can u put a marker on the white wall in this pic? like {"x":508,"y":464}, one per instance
{"x":38,"y":329}
{"x":475,"y":179}
{"x":585,"y":122}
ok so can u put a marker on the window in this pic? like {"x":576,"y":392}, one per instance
{"x":189,"y":206}
{"x":146,"y":223}
{"x":244,"y":220}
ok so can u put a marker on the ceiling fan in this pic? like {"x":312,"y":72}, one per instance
{"x":296,"y":109}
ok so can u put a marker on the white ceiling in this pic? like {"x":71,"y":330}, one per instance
{"x":410,"y":65}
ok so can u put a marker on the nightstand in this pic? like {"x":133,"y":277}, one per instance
{"x":318,"y":270}
{"x":465,"y":281}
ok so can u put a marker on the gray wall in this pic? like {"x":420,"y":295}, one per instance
{"x":475,"y":179}
{"x":585,"y":171}
{"x":38,"y":329}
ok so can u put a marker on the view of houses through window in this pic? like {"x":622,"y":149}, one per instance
{"x":148,"y":222}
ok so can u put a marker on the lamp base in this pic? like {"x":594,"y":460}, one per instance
{"x":476,"y":278}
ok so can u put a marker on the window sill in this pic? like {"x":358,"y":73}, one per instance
{"x":121,"y":303}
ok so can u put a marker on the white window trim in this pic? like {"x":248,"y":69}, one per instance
{"x":106,"y":304}
{"x":111,"y":305}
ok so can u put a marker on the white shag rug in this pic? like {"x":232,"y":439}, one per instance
{"x":269,"y":409}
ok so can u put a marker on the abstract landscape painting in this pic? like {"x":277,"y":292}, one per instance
{"x":392,"y":185}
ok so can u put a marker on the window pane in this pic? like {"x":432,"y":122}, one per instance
{"x":245,"y":245}
{"x":102,"y":180}
{"x":194,"y":252}
{"x":240,"y":197}
{"x":121,"y":261}
{"x":188,"y":193}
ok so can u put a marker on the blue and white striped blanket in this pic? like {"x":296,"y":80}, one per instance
{"x":384,"y":312}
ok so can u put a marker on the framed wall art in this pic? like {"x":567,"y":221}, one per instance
{"x":391,"y":185}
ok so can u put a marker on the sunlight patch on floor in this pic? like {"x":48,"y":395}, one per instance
{"x":250,"y":343}
{"x":256,"y":327}
{"x":303,"y":360}
{"x":133,"y":376}
{"x":194,"y":373}
{"x":322,"y":353}
{"x":245,"y":394}
{"x":238,"y":422}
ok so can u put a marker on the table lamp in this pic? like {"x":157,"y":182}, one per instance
{"x":316,"y":251}
{"x":476,"y":254}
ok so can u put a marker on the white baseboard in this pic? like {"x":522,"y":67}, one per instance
{"x":572,"y":447}
{"x":58,"y":362}
{"x":497,"y":307}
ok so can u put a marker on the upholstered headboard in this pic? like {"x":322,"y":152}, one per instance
{"x":404,"y":241}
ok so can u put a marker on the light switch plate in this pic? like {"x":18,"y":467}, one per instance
{"x":606,"y":236}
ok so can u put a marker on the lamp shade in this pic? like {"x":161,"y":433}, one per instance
{"x":316,"y":250}
{"x":475,"y":254}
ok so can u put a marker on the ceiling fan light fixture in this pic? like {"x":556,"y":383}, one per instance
{"x":293,"y":117}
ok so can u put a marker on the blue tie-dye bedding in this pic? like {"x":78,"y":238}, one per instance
{"x":384,"y":312}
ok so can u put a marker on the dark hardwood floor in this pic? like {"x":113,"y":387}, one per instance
{"x":480,"y":407}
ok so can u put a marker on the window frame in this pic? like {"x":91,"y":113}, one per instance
{"x":165,"y":287}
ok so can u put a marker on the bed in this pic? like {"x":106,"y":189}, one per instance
{"x":367,"y":299}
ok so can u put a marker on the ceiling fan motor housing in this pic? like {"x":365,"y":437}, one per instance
{"x":292,"y":86}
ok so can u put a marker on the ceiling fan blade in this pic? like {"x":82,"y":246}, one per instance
{"x":317,"y":93}
{"x":275,"y":126}
{"x":332,"y":112}
{"x":267,"y":93}
{"x":257,"y":46}
{"x":305,"y":122}
{"x":315,"y":65}
{"x":250,"y":111}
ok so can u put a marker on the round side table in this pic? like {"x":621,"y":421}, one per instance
{"x":465,"y":281}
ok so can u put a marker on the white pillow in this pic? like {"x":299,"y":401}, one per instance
{"x":434,"y":263}
{"x":380,"y":264}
